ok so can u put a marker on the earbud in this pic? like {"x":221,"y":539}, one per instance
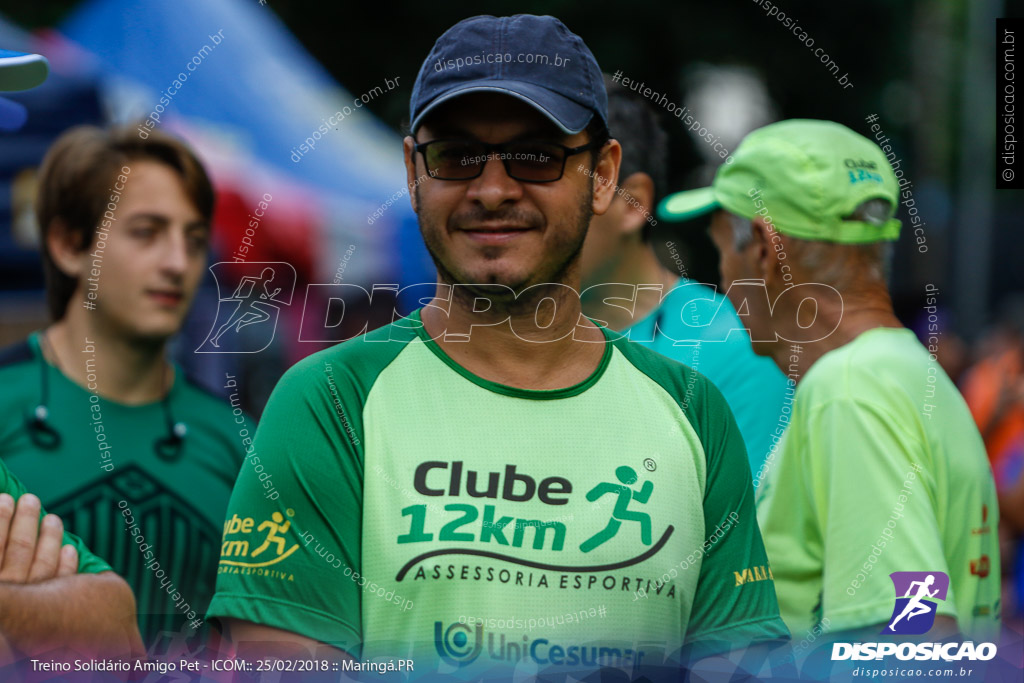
{"x":40,"y":431}
{"x":170,"y":447}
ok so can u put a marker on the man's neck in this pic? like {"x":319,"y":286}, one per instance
{"x":796,"y":358}
{"x":640,"y":267}
{"x":124,"y":371}
{"x":506,"y":346}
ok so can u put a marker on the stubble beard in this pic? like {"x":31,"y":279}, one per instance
{"x":565,"y":268}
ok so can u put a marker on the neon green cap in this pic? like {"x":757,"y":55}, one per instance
{"x":805,"y":177}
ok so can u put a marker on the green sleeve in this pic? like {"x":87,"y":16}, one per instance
{"x":864,"y":461}
{"x":87,"y":562}
{"x":291,"y":555}
{"x":301,"y":483}
{"x":734,"y":604}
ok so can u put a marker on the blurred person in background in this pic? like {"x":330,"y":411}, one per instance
{"x":994,"y":390}
{"x":1011,"y":510}
{"x":135,"y":457}
{"x":677,"y":317}
{"x":56,"y":596}
{"x":882,"y":468}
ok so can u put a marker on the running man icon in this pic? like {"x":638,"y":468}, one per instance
{"x":621,"y":513}
{"x":917,"y":598}
{"x":915,"y":607}
{"x":249,"y":310}
{"x":250,"y":297}
{"x":274,"y":528}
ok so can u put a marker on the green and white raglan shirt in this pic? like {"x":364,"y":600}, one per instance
{"x":404,"y":507}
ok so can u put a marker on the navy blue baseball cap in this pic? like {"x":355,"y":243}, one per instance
{"x":535,"y":59}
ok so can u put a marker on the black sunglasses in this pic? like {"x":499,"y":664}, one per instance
{"x":529,"y":162}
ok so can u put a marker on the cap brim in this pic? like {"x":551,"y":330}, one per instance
{"x":12,"y":115}
{"x":683,"y":206}
{"x":21,"y":70}
{"x":569,"y":116}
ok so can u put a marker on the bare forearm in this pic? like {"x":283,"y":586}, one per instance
{"x":92,"y":614}
{"x":256,"y":641}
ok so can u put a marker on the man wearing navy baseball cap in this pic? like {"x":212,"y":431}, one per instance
{"x":496,"y":480}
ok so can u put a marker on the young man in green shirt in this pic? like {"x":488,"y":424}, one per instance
{"x":56,"y":597}
{"x":881,"y":469}
{"x":479,"y":488}
{"x":136,"y":458}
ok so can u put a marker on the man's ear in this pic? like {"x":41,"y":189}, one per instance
{"x":408,"y":149}
{"x":762,"y":250}
{"x":638,"y":192}
{"x":606,"y":175}
{"x":66,"y":248}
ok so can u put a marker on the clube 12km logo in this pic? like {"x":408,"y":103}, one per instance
{"x":917,"y":597}
{"x":627,"y":515}
{"x":629,"y":524}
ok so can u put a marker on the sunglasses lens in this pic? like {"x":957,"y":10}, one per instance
{"x":454,"y":160}
{"x":535,"y":162}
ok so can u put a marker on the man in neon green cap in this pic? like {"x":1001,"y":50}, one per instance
{"x":881,"y":468}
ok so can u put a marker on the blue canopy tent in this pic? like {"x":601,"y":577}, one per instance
{"x":249,"y":81}
{"x":70,"y":95}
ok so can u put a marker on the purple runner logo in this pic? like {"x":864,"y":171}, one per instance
{"x":917,"y":594}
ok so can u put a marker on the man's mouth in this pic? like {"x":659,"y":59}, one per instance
{"x":495,"y":234}
{"x":167,"y":297}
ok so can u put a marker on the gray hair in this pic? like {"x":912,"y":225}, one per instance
{"x":843,"y":266}
{"x":742,"y":232}
{"x":833,"y":263}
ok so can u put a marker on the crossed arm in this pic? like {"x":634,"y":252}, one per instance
{"x":45,"y":604}
{"x":256,"y":641}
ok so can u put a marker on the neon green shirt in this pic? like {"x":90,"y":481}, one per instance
{"x":881,"y":470}
{"x":422,"y":511}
